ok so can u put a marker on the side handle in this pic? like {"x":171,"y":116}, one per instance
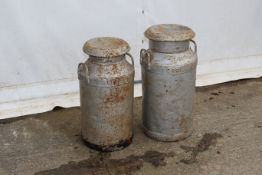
{"x":132,"y":59}
{"x":195,"y":45}
{"x":83,"y":72}
{"x":145,"y":54}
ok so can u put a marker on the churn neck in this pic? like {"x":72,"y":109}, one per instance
{"x":169,"y":46}
{"x":115,"y":59}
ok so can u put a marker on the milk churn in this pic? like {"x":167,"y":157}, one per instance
{"x":168,"y":74}
{"x":106,"y":94}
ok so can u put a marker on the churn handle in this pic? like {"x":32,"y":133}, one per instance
{"x":83,"y":65}
{"x":132,"y":59}
{"x":144,"y":52}
{"x":195,"y":45}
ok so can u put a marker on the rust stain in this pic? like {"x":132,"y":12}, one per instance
{"x":115,"y":82}
{"x":116,"y":95}
{"x":129,"y":141}
{"x":119,"y":92}
{"x":126,"y":88}
{"x":114,"y":69}
{"x":121,"y":144}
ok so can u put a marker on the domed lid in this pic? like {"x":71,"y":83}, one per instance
{"x":106,"y":47}
{"x":169,"y":32}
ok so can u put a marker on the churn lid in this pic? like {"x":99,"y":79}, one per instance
{"x":106,"y":47}
{"x":169,"y":32}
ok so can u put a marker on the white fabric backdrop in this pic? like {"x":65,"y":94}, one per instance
{"x":41,"y":43}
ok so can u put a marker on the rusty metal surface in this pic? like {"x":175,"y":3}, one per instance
{"x":106,"y":47}
{"x":168,"y":89}
{"x":169,"y":32}
{"x":106,"y":98}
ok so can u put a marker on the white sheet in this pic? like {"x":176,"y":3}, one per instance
{"x":41,"y":43}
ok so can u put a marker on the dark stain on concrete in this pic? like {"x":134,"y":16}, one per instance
{"x":207,"y":140}
{"x":211,"y":98}
{"x":156,"y":158}
{"x":258,"y":125}
{"x":101,"y":164}
{"x":214,"y":93}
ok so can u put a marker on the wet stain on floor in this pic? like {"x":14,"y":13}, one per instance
{"x":214,"y":93}
{"x":101,"y":164}
{"x":258,"y":125}
{"x":207,"y":140}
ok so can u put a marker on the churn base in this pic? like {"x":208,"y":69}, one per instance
{"x":166,"y":138}
{"x":109,"y":148}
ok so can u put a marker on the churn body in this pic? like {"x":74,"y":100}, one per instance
{"x":106,"y":94}
{"x":168,"y":74}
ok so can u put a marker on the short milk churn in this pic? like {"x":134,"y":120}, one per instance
{"x":106,"y":94}
{"x":168,"y":74}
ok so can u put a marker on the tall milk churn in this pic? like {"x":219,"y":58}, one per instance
{"x":106,"y":94}
{"x":168,"y":74}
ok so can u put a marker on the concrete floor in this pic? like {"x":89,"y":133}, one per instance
{"x":227,"y":139}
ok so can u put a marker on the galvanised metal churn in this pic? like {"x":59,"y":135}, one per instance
{"x":168,"y":75}
{"x":106,"y":94}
